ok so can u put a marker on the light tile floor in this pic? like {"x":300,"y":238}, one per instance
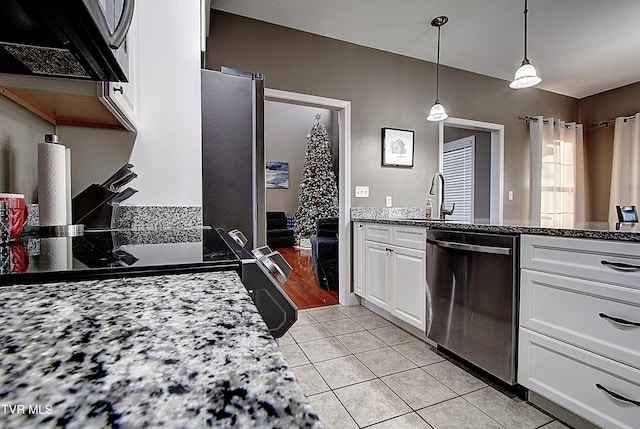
{"x":359,"y":370}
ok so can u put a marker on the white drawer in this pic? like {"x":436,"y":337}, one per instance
{"x":575,"y":311}
{"x":583,"y":258}
{"x":378,"y":232}
{"x":569,"y":376}
{"x":413,"y":237}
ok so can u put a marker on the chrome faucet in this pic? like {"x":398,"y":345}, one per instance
{"x":443,"y":211}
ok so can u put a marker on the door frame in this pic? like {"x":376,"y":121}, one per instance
{"x":345,"y":295}
{"x":496,"y":206}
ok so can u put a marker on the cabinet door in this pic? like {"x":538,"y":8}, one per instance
{"x":377,"y":257}
{"x":119,"y":97}
{"x":359,"y":267}
{"x":408,"y":285}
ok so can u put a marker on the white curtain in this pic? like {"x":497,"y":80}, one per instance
{"x":557,"y":196}
{"x":625,"y":166}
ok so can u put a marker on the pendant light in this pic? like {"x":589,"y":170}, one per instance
{"x":437,"y":112}
{"x":526,"y":75}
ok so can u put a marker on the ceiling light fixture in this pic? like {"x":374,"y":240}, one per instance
{"x":437,"y":112}
{"x":526,"y":75}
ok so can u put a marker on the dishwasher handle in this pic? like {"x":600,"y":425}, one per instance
{"x":470,"y":247}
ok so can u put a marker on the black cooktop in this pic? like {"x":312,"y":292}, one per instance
{"x":117,"y":253}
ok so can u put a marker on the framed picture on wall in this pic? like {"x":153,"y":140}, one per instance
{"x":397,"y":148}
{"x":277,"y":175}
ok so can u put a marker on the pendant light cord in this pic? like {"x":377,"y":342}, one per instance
{"x":526,"y":10}
{"x":438,"y":68}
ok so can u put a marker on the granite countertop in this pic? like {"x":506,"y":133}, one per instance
{"x":184,"y":350}
{"x":415,"y":217}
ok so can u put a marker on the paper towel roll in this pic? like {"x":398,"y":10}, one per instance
{"x":52,"y":184}
{"x":67,"y":167}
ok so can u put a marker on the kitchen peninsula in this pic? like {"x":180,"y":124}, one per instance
{"x":572,"y":307}
{"x":146,"y":348}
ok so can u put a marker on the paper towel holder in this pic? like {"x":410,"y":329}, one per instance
{"x":69,"y":230}
{"x":61,"y":230}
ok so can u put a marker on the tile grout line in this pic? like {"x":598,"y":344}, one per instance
{"x":488,"y":384}
{"x":379,"y":378}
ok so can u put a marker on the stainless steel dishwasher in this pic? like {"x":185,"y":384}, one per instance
{"x":472,"y":295}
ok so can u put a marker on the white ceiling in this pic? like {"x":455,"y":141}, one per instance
{"x":579,"y":47}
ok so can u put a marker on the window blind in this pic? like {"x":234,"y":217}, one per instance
{"x":457,"y":163}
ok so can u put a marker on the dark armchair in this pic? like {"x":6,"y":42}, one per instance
{"x":324,"y":252}
{"x":277,"y":233}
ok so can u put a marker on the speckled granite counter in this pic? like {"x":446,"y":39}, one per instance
{"x":187,"y":350}
{"x":415,"y":217}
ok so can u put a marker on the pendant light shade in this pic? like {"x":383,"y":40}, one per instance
{"x":526,"y":75}
{"x":437,"y":112}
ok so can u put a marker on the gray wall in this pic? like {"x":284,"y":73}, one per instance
{"x":387,"y":90}
{"x":481,"y":168}
{"x":601,"y":107}
{"x":286,"y":129}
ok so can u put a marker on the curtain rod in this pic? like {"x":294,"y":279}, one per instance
{"x":612,"y":121}
{"x":527,"y":118}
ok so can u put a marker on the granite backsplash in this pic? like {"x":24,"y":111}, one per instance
{"x":145,"y":217}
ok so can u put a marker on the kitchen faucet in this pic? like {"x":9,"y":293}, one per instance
{"x":443,"y":210}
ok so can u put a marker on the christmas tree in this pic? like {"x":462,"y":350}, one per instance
{"x":318,"y":196}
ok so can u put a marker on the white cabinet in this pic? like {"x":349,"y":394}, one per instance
{"x":408,"y":285}
{"x":579,"y":340}
{"x":390,"y":269}
{"x":377,"y":269}
{"x":119,"y":97}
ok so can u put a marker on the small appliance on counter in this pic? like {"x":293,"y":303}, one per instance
{"x":96,"y":205}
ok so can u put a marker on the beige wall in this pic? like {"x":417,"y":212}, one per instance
{"x":598,"y":108}
{"x":286,"y":127}
{"x":387,"y":90}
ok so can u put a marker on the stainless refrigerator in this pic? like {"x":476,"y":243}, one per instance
{"x":233,"y":165}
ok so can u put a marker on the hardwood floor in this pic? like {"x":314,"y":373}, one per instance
{"x":302,"y":285}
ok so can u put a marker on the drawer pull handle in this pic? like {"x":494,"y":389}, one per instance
{"x":617,"y":395}
{"x":621,"y":266}
{"x":618,"y":320}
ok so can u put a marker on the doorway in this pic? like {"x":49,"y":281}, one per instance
{"x":342,"y":110}
{"x":496,"y":148}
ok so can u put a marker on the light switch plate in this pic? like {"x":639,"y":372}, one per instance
{"x":388,"y":201}
{"x":510,"y":195}
{"x":362,"y":192}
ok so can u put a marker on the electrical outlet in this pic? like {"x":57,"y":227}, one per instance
{"x":362,"y":192}
{"x":388,"y":201}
